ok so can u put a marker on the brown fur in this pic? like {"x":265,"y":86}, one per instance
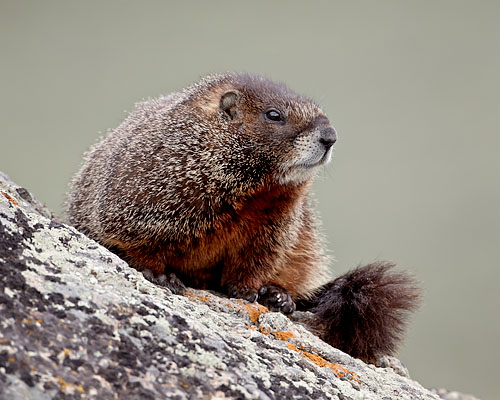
{"x":247,"y":227}
{"x":364,"y":311}
{"x":207,"y":185}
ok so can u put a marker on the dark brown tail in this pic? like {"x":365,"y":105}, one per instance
{"x":364,"y":311}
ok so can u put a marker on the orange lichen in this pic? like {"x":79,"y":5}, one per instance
{"x":255,"y":311}
{"x":263,"y":330}
{"x":31,"y":321}
{"x":184,"y":384}
{"x":293,"y":347}
{"x":62,"y":384}
{"x":338,"y":370}
{"x":65,"y":385}
{"x":283,"y":335}
{"x":193,"y":297}
{"x":9,"y":197}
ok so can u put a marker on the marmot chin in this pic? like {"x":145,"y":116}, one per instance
{"x":211,"y":186}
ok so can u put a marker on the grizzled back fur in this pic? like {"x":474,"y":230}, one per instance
{"x":195,"y":176}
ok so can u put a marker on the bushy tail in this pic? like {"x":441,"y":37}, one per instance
{"x":363,"y":312}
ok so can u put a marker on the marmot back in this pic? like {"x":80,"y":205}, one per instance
{"x":212,"y":184}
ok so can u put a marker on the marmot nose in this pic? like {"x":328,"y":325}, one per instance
{"x":327,"y":136}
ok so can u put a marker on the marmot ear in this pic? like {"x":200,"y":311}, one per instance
{"x":229,"y":102}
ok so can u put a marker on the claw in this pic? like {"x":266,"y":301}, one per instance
{"x":276,"y":299}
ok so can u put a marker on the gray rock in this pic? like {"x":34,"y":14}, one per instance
{"x":450,"y":395}
{"x":77,"y":322}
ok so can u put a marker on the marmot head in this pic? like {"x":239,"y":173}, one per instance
{"x":276,"y":118}
{"x":287,"y":133}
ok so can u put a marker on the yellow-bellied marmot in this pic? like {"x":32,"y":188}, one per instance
{"x":211,"y":185}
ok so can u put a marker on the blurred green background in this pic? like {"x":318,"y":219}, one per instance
{"x":412,"y":88}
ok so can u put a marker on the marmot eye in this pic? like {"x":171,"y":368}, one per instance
{"x":273,"y":115}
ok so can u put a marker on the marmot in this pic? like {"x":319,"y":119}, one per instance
{"x":211,"y":186}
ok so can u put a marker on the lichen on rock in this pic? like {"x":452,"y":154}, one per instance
{"x":77,"y":322}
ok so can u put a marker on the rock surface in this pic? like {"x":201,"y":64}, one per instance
{"x":78,"y":322}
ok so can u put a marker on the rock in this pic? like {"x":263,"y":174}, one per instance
{"x":77,"y":322}
{"x":449,"y":395}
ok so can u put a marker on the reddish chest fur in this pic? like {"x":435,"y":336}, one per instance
{"x":242,"y":240}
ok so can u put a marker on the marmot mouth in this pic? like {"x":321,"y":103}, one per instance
{"x":325,"y":159}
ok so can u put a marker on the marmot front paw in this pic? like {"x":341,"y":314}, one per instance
{"x":169,"y":280}
{"x":244,"y":293}
{"x":276,"y":299}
